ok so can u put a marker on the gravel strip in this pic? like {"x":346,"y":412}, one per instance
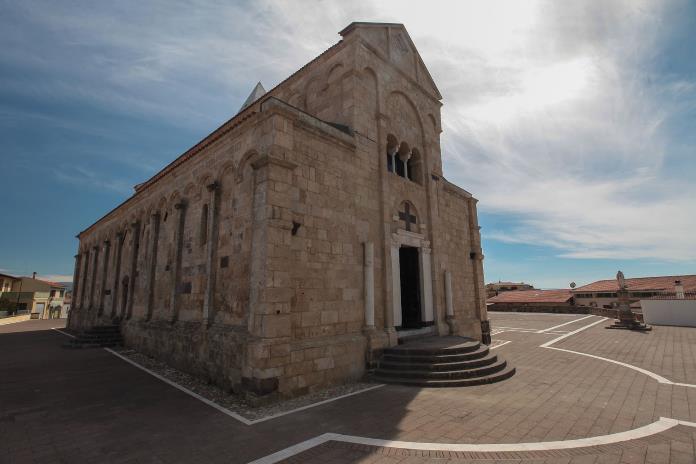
{"x":234,"y":402}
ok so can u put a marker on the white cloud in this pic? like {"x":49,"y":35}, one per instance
{"x":84,"y":177}
{"x":552,"y":113}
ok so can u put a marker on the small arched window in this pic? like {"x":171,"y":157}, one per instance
{"x":392,"y":146}
{"x":204,"y":225}
{"x":402,"y":158}
{"x":414,"y":167}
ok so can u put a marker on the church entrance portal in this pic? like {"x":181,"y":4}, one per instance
{"x":411,"y":315}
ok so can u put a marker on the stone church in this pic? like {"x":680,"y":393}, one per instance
{"x":291,"y":246}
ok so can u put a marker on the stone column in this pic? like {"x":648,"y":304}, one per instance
{"x":369,"y":276}
{"x":135,"y":229}
{"x":105,"y":271}
{"x":448,"y":294}
{"x":95,"y":268}
{"x":152,"y":265}
{"x":449,"y":305}
{"x":211,"y":250}
{"x":120,"y":237}
{"x":76,"y":278}
{"x":396,"y":288}
{"x":83,"y":284}
{"x":392,"y":156}
{"x":178,"y":251}
{"x":404,"y":159}
{"x":426,"y":284}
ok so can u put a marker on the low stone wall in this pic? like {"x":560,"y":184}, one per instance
{"x":321,"y":362}
{"x":528,"y":308}
{"x":214,"y":353}
{"x":612,"y":313}
{"x":233,"y":360}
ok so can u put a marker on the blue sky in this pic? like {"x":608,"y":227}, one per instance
{"x":573,"y":123}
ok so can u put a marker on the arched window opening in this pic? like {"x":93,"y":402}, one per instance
{"x":402,"y":158}
{"x":204,"y":225}
{"x":414,"y":167}
{"x":392,"y":146}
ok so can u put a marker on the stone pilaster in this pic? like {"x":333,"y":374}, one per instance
{"x":211,"y":253}
{"x":449,"y":305}
{"x":152,"y":265}
{"x":105,"y":271}
{"x":93,"y":282}
{"x":135,"y":230}
{"x":426,"y":284}
{"x":180,"y":208}
{"x":115,"y":288}
{"x":76,"y":278}
{"x":83,"y":283}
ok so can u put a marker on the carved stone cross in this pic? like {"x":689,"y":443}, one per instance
{"x":407,"y":217}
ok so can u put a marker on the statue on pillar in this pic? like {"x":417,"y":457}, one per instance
{"x":626,"y":319}
{"x":621,"y":280}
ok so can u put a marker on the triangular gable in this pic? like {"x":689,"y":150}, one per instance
{"x":394,"y":43}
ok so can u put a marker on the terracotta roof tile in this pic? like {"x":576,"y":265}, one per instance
{"x":532,"y":296}
{"x":641,"y":283}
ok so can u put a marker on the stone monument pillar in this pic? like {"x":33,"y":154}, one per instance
{"x":625,"y":317}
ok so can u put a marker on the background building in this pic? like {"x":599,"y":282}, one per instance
{"x":495,"y":288}
{"x":42,"y":299}
{"x":602,"y":293}
{"x":543,"y":301}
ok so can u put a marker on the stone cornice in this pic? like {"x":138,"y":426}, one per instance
{"x":308,"y":122}
{"x":449,"y":187}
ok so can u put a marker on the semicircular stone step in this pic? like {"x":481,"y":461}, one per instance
{"x":435,"y":346}
{"x":441,"y":361}
{"x":481,"y":352}
{"x":497,"y":366}
{"x":431,"y":383}
{"x":437,"y":365}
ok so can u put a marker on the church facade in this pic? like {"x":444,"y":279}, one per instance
{"x":309,"y":232}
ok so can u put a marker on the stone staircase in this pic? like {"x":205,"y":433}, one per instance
{"x":441,"y":362}
{"x":97,"y":337}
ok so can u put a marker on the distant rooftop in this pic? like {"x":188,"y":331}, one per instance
{"x":532,"y":296}
{"x":642,"y":283}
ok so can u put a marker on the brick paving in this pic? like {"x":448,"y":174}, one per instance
{"x":61,"y":405}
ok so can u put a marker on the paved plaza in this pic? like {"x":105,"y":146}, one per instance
{"x":581,"y":394}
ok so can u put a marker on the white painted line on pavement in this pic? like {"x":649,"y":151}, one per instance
{"x":222,"y":409}
{"x":498,"y":346}
{"x":659,"y":426}
{"x":295,"y":449}
{"x":233,"y":414}
{"x":564,"y":324}
{"x":64,"y":333}
{"x":558,"y":339}
{"x":653,"y":375}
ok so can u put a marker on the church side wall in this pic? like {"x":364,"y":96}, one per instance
{"x":179,"y":332}
{"x":322,"y":206}
{"x":456,"y":240}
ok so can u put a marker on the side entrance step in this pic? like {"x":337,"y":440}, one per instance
{"x":441,"y":362}
{"x":97,"y":337}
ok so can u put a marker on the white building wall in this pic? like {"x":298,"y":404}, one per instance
{"x":669,"y":312}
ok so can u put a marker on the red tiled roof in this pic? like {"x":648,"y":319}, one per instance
{"x":532,"y":296}
{"x":508,"y":283}
{"x":52,"y":284}
{"x":641,"y":283}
